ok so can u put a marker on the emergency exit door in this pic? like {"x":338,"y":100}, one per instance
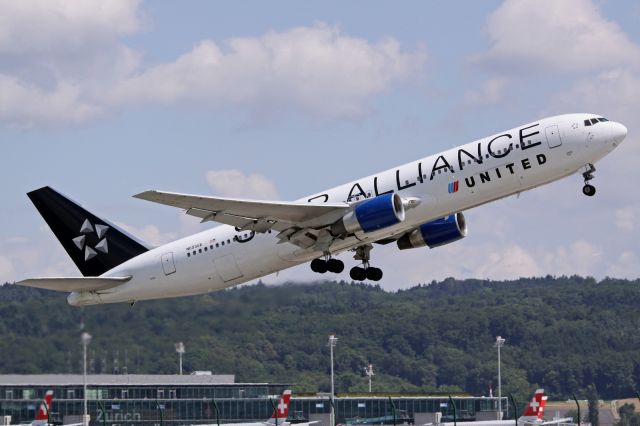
{"x":553,"y":136}
{"x":167,"y":263}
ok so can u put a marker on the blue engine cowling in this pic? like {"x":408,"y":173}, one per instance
{"x":371,"y":215}
{"x":435,"y":233}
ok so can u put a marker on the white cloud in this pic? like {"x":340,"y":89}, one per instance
{"x":67,"y":62}
{"x":234,"y":183}
{"x":625,"y":265}
{"x":527,"y":36}
{"x":614,"y":93}
{"x":490,"y":93}
{"x":317,"y":69}
{"x":26,"y":105}
{"x":64,"y":25}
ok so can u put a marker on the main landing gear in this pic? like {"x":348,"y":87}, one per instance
{"x":357,"y":273}
{"x":588,"y":189}
{"x":328,"y":264}
{"x":364,"y":272}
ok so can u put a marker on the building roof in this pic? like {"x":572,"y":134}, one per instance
{"x":115,"y":379}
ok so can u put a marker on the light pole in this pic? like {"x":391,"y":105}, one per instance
{"x":369,"y":372}
{"x":85,"y":338}
{"x":499,"y":343}
{"x":180,"y":349}
{"x":332,"y":344}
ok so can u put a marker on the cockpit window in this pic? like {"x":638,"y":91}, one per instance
{"x":593,"y":121}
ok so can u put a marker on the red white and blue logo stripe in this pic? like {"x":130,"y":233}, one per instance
{"x":453,"y":187}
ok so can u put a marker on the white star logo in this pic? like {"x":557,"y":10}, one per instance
{"x":80,"y":241}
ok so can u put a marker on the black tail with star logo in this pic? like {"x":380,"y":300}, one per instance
{"x":94,"y":244}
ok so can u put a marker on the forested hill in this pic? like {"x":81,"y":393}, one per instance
{"x":562,"y":333}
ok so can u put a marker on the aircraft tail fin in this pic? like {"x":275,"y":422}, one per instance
{"x":281,"y":411}
{"x":95,"y":245}
{"x":42,"y":415}
{"x":535,"y":408}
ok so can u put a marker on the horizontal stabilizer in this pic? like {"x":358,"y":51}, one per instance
{"x":69,"y":284}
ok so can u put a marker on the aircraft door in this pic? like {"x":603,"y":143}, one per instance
{"x":553,"y":136}
{"x":227,"y":268}
{"x":168,"y":266}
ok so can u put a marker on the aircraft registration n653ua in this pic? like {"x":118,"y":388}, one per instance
{"x":414,"y":205}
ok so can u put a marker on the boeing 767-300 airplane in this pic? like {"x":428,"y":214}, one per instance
{"x":414,"y":205}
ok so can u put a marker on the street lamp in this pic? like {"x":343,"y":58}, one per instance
{"x":332,"y":344}
{"x":85,"y":338}
{"x":499,"y":343}
{"x":180,"y":349}
{"x":369,"y":372}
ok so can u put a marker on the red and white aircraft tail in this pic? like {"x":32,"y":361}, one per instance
{"x":42,"y":415}
{"x":535,"y":408}
{"x":281,"y":411}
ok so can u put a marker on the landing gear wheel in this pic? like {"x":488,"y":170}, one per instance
{"x":357,"y":273}
{"x":374,"y":274}
{"x":334,"y":265}
{"x":589,"y":190}
{"x":319,"y":266}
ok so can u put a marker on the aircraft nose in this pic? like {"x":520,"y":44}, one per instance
{"x":618,"y":131}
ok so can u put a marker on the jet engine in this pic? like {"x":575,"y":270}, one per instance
{"x":435,"y":233}
{"x":371,"y":215}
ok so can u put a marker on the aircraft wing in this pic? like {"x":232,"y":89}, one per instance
{"x":251,"y":215}
{"x":75,"y":283}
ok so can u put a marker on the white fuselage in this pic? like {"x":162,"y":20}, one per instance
{"x":487,"y":169}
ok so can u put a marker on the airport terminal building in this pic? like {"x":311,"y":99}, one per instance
{"x":133,"y":399}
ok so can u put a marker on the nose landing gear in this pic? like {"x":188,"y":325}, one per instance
{"x":588,"y":189}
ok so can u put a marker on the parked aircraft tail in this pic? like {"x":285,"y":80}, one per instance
{"x":281,"y":412}
{"x":535,"y":408}
{"x":42,"y":415}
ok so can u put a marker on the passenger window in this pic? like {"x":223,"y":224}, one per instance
{"x":188,"y":254}
{"x":469,"y":162}
{"x":223,"y":243}
{"x":194,"y":253}
{"x":587,"y":123}
{"x":594,"y":120}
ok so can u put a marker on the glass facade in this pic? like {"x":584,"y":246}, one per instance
{"x":148,"y":405}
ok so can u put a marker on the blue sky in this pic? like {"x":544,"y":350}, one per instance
{"x":283,"y":99}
